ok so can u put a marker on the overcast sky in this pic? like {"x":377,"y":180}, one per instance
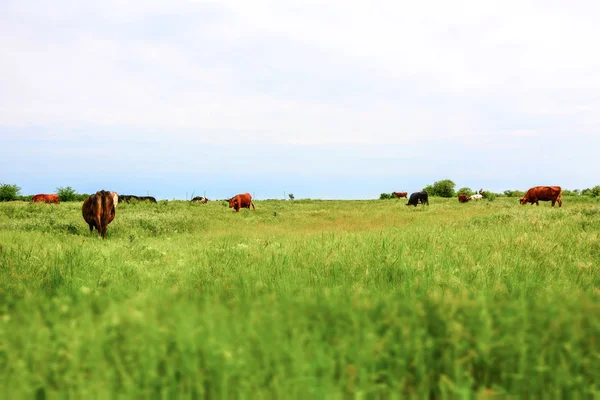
{"x":323,"y":99}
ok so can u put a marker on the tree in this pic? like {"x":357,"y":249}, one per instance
{"x":291,"y":196}
{"x":587,"y":192}
{"x":465,"y":190}
{"x":596,"y":191}
{"x":66,"y":194}
{"x":443,"y":188}
{"x":9,"y":192}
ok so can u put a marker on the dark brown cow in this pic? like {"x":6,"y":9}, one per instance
{"x":45,"y":198}
{"x":241,"y":201}
{"x":543,"y":193}
{"x":98,"y":211}
{"x":400,"y":194}
{"x":418,"y":197}
{"x":463,"y":198}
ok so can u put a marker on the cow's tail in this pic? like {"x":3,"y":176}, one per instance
{"x":252,"y":203}
{"x":103,"y":214}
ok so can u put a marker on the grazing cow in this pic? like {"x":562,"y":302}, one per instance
{"x":463,"y":198}
{"x":149,"y":198}
{"x":417,"y":197}
{"x":200,"y":199}
{"x":128,"y":197}
{"x":543,"y":193}
{"x":45,"y":198}
{"x":241,"y":201}
{"x":476,"y":197}
{"x":400,"y":194}
{"x":98,"y":211}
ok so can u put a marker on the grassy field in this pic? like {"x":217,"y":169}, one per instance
{"x":302,"y":299}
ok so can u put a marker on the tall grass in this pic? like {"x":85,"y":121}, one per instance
{"x":303,"y":298}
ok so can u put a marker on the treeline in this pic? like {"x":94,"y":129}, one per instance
{"x":11,"y":192}
{"x":445,"y":188}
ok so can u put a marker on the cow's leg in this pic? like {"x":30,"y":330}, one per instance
{"x":98,"y":225}
{"x":553,"y":201}
{"x":559,"y":202}
{"x":91,"y":227}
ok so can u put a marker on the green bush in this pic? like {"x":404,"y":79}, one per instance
{"x":514,"y":193}
{"x":67,"y":194}
{"x":9,"y":192}
{"x":491,"y":196}
{"x":386,"y":196}
{"x":443,"y":188}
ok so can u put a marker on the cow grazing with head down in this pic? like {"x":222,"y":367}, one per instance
{"x":417,"y":197}
{"x":45,"y":198}
{"x":543,"y":193}
{"x":463,"y":198}
{"x":400,"y":194}
{"x":241,"y":201}
{"x":128,"y":197}
{"x":200,"y":199}
{"x":98,"y":211}
{"x":476,"y":197}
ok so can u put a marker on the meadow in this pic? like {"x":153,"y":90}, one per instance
{"x":302,"y":299}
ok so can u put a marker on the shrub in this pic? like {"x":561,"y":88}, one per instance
{"x":386,"y":196}
{"x":514,"y":193}
{"x":67,"y":194}
{"x":443,"y":188}
{"x":491,"y":196}
{"x":9,"y":192}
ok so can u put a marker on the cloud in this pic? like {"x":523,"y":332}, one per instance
{"x":265,"y":71}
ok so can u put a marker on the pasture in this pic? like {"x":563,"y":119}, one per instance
{"x":302,"y":299}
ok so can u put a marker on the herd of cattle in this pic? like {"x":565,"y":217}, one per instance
{"x":99,"y":209}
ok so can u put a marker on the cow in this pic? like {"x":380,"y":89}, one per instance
{"x":463,"y":198}
{"x":476,"y":197}
{"x":148,"y":198}
{"x":128,"y":197}
{"x":416,"y":197}
{"x":200,"y":199}
{"x":241,"y":201}
{"x":98,"y":211}
{"x":400,"y":194}
{"x":45,"y":198}
{"x":543,"y":193}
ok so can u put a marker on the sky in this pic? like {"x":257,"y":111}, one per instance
{"x":322,"y":99}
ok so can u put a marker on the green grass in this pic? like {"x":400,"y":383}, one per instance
{"x":302,"y":299}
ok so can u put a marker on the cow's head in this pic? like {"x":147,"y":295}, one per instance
{"x":522,"y":201}
{"x":232,"y":202}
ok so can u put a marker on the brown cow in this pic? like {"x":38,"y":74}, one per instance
{"x":543,"y":193}
{"x":98,"y":211}
{"x":400,"y":194}
{"x":45,"y":198}
{"x":463,"y":198}
{"x":241,"y":201}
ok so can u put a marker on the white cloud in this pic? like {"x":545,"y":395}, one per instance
{"x":300,"y":73}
